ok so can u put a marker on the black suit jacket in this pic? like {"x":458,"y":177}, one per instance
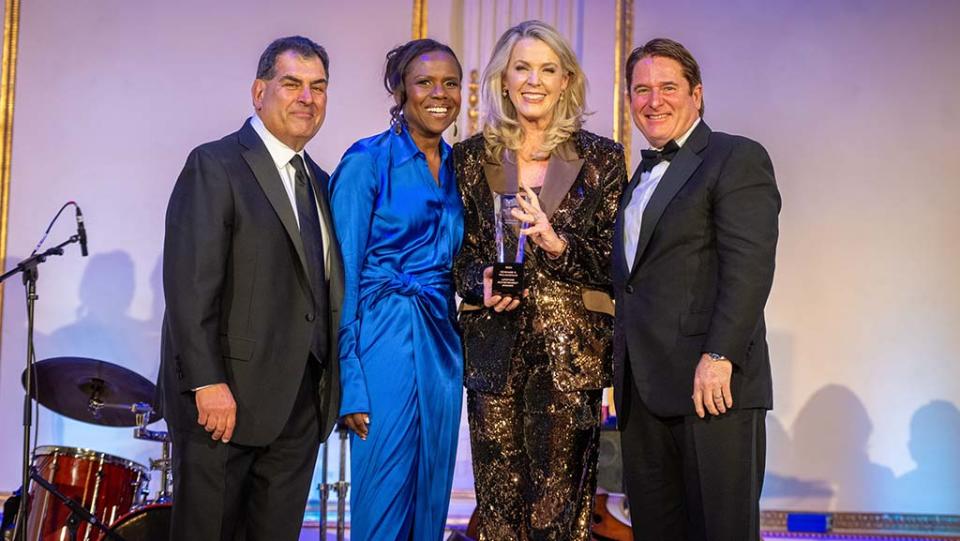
{"x":702,"y":274}
{"x":239,"y":305}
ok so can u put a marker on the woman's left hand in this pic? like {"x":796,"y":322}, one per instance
{"x":538,"y":227}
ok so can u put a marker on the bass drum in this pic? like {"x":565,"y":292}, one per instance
{"x":147,"y":523}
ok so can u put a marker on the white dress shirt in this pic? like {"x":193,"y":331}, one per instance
{"x":281,"y":155}
{"x":633,"y":214}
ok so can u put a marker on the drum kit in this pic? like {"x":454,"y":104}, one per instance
{"x":85,"y":495}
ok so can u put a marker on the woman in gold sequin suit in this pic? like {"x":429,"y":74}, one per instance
{"x":535,"y":366}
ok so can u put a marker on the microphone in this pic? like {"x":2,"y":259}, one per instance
{"x":81,"y":232}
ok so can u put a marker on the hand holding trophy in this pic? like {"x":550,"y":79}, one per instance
{"x":536,"y":226}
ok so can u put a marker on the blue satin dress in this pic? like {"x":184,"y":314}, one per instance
{"x":400,"y":355}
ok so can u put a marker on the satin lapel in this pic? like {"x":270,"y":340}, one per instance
{"x":619,"y":256}
{"x":265,"y":171}
{"x":562,"y":171}
{"x":678,"y":173}
{"x":501,"y":177}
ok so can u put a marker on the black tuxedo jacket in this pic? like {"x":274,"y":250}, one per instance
{"x":701,"y":277}
{"x":239,"y":306}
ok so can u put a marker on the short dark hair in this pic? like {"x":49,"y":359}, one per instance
{"x":398,"y":61}
{"x":666,"y":48}
{"x":305,"y":47}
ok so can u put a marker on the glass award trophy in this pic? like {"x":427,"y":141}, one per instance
{"x":507,"y":271}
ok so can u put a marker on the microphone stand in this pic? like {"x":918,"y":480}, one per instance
{"x":29,"y":268}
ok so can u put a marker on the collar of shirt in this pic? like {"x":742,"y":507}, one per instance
{"x":279,"y":152}
{"x":405,"y":148}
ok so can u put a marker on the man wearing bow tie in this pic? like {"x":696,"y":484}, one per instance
{"x":693,"y":265}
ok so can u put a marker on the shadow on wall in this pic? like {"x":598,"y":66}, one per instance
{"x":830,"y":467}
{"x":105,"y":331}
{"x":934,"y":485}
{"x":825,"y":465}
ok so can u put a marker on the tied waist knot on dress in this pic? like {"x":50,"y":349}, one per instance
{"x":431,"y":288}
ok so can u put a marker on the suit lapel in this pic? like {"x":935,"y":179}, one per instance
{"x":265,"y":171}
{"x":501,"y":177}
{"x":681,"y":168}
{"x":562,"y":171}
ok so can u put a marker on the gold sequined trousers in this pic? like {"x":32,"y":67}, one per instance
{"x":534,"y":453}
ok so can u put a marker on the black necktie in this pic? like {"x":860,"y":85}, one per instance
{"x":312,"y":238}
{"x":650,"y":157}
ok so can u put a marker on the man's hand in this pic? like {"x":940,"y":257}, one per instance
{"x":497,"y":302}
{"x":218,"y":411}
{"x":711,"y":386}
{"x":359,"y":423}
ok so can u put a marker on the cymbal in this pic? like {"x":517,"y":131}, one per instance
{"x":90,"y":390}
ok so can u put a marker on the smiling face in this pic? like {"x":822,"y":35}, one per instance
{"x":432,"y":87}
{"x":534,"y":80}
{"x":661,"y":100}
{"x":293,"y":104}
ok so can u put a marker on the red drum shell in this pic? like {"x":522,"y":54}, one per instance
{"x":106,"y":485}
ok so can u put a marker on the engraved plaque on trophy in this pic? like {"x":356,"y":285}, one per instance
{"x":508,"y":270}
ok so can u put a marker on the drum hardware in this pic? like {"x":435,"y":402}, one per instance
{"x":103,"y":486}
{"x":324,"y":492}
{"x":341,"y":487}
{"x":163,"y":464}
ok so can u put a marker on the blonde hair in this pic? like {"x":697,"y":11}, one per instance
{"x":501,"y":129}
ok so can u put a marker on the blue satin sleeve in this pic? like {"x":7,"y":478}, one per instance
{"x":353,"y":192}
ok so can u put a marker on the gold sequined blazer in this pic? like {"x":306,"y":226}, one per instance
{"x":569,"y":300}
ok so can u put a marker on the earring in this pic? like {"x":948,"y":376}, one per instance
{"x":396,"y":118}
{"x":455,"y":134}
{"x":561,"y":96}
{"x":505,"y":93}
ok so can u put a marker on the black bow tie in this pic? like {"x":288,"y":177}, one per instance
{"x":652,"y":157}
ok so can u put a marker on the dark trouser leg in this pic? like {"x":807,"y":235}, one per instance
{"x":279,"y":479}
{"x":219,"y":488}
{"x":208,"y":484}
{"x":499,"y":464}
{"x":652,"y":472}
{"x":724,"y":460}
{"x":562,"y":433}
{"x":693,"y":479}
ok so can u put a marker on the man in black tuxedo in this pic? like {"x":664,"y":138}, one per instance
{"x":693,"y":265}
{"x":252,"y":279}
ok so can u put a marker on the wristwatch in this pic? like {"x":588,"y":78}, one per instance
{"x":717,"y":356}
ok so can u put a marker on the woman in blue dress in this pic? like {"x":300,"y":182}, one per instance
{"x":399,"y":220}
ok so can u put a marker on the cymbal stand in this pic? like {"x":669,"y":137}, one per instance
{"x":324,"y":487}
{"x":163,"y":464}
{"x":342,"y":486}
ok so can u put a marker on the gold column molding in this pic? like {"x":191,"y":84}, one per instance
{"x":622,"y":126}
{"x":419,"y":27}
{"x":8,"y":80}
{"x":473,"y":101}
